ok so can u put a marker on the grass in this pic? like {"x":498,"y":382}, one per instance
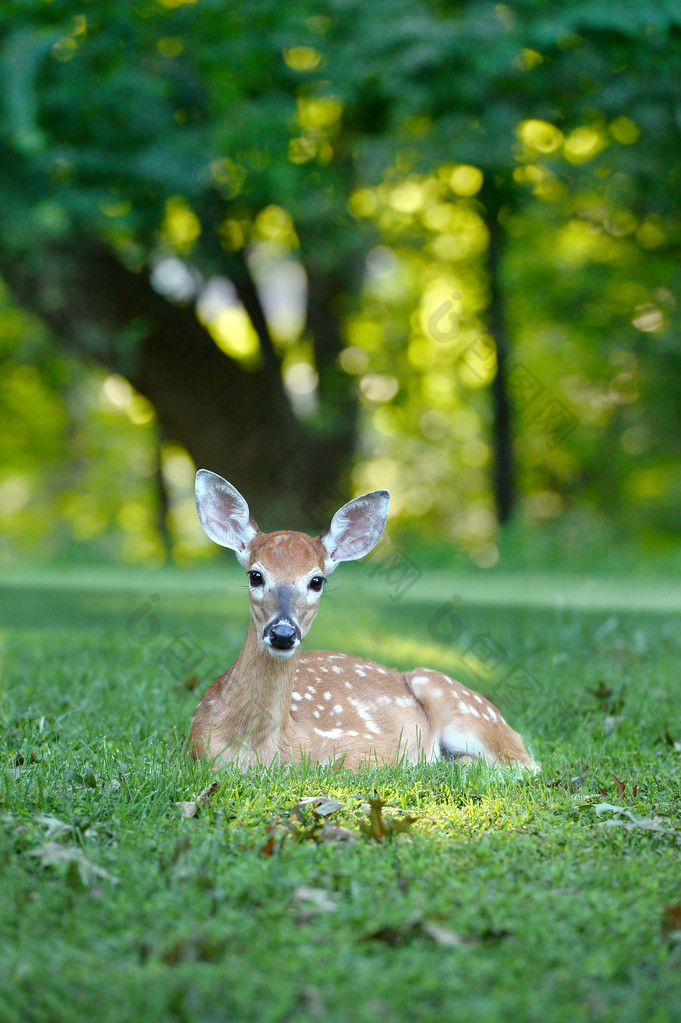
{"x":507,"y":896}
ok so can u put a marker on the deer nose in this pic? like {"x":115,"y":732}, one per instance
{"x":282,"y":635}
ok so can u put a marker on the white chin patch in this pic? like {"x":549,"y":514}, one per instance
{"x":281,"y":653}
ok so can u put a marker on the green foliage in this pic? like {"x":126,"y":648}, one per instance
{"x":76,"y":465}
{"x":406,"y":133}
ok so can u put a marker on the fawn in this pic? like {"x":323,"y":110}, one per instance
{"x":275,"y":701}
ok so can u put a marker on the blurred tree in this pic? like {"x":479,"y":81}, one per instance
{"x":135,"y":132}
{"x":147,"y":149}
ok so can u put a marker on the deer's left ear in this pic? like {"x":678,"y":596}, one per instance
{"x":356,"y":528}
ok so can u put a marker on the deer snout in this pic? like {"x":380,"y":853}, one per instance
{"x":282,"y":635}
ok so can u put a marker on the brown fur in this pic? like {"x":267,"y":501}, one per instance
{"x":334,"y":707}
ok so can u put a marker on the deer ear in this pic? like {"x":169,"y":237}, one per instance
{"x":223,"y":513}
{"x":356,"y":528}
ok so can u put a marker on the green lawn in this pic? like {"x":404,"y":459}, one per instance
{"x":507,"y":897}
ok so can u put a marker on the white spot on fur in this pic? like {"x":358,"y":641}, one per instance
{"x":360,"y":672}
{"x":337,"y":709}
{"x":405,"y":701}
{"x":327,"y":695}
{"x":348,"y":685}
{"x":308,"y":696}
{"x":363,"y":711}
{"x":296,"y":696}
{"x":478,"y":698}
{"x":383,"y":701}
{"x":472,"y":710}
{"x":492,"y":715}
{"x":336,"y":669}
{"x":335,"y":733}
{"x":316,"y":713}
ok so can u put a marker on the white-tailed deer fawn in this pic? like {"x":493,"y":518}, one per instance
{"x":328,"y":707}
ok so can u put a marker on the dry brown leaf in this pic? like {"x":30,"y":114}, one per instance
{"x":207,"y":793}
{"x":621,"y":785}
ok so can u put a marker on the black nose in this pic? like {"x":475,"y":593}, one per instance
{"x":283,"y":635}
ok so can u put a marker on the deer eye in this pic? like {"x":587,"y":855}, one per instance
{"x":316,"y":583}
{"x":256,"y":578}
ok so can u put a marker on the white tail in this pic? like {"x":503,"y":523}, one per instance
{"x":330,"y":707}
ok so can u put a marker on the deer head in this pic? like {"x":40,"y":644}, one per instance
{"x":286,"y":570}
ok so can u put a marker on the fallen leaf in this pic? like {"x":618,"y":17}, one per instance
{"x":400,"y":934}
{"x":621,"y":785}
{"x":207,"y":793}
{"x":320,"y":805}
{"x":444,"y":937}
{"x":53,"y":827}
{"x":317,"y":897}
{"x":188,"y":808}
{"x":277,"y":833}
{"x":645,"y":824}
{"x":601,"y":808}
{"x":53,"y":854}
{"x":640,"y":822}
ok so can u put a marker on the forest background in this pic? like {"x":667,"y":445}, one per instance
{"x":323,"y":249}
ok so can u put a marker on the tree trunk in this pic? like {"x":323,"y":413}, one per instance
{"x":236,"y":422}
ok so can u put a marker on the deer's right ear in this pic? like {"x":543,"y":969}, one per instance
{"x":223,"y":513}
